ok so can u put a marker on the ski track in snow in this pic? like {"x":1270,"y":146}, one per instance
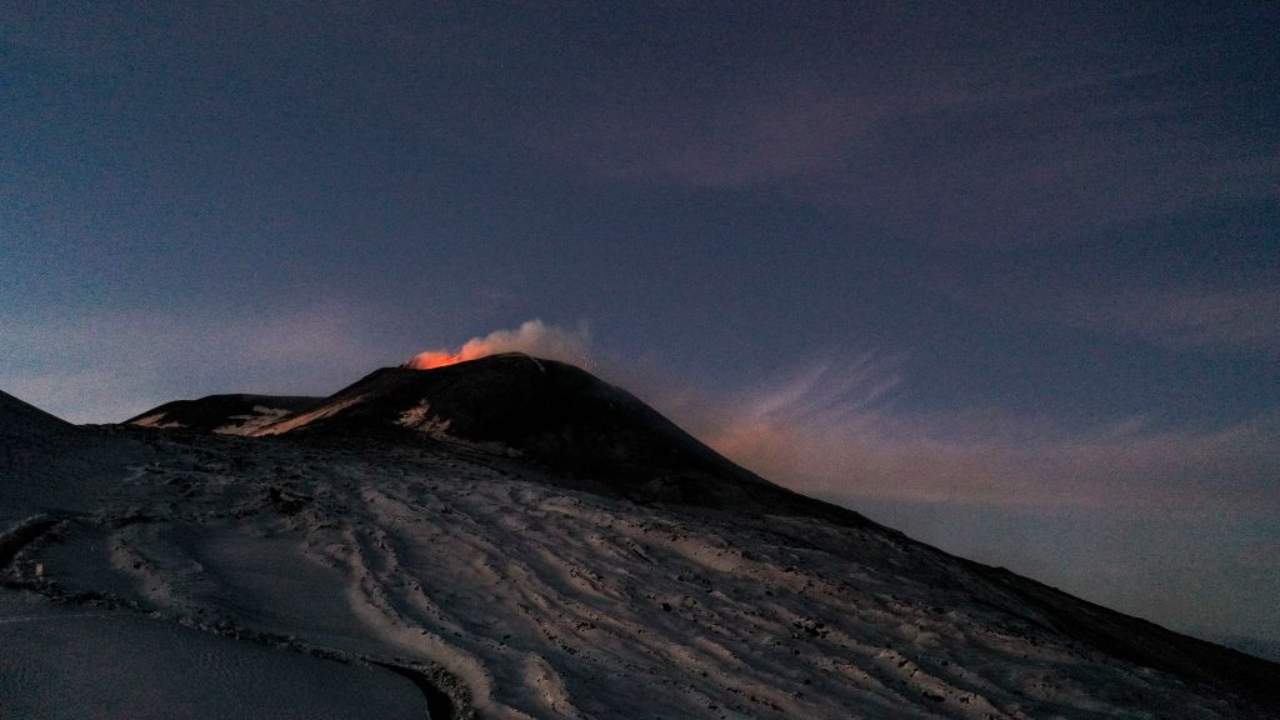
{"x":519,"y":599}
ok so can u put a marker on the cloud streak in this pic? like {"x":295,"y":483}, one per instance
{"x":1017,"y":143}
{"x":1237,"y":318}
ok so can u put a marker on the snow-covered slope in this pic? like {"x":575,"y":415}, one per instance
{"x":487,"y":535}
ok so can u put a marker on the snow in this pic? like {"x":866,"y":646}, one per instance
{"x":419,"y":418}
{"x":306,"y":418}
{"x":65,"y":663}
{"x":522,"y":599}
{"x":155,"y":574}
{"x":250,"y":424}
{"x":157,"y":421}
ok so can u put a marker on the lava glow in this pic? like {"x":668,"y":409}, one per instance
{"x":437,"y":358}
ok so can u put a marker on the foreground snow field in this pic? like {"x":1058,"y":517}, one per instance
{"x":70,"y":662}
{"x":344,"y":575}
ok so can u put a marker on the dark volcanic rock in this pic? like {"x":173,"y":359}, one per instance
{"x":21,"y":423}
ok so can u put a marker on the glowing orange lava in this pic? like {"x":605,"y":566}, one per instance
{"x":436,"y":358}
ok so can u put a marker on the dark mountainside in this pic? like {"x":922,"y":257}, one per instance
{"x":210,"y":413}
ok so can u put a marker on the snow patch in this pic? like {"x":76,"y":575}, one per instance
{"x":307,"y":418}
{"x":249,"y":424}
{"x":419,"y":418}
{"x":157,"y":421}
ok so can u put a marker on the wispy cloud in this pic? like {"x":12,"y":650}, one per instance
{"x":730,"y":140}
{"x":836,"y":431}
{"x":1235,"y":318}
{"x":990,"y":155}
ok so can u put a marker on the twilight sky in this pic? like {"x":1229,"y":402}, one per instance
{"x":1006,"y":279}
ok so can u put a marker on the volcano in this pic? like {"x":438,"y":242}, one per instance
{"x":514,"y":537}
{"x":587,"y":433}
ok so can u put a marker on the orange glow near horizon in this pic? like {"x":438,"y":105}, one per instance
{"x":438,"y":358}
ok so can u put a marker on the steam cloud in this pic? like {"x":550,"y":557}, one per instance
{"x":533,"y":337}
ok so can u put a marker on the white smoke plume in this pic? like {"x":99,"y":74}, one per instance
{"x":533,"y":337}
